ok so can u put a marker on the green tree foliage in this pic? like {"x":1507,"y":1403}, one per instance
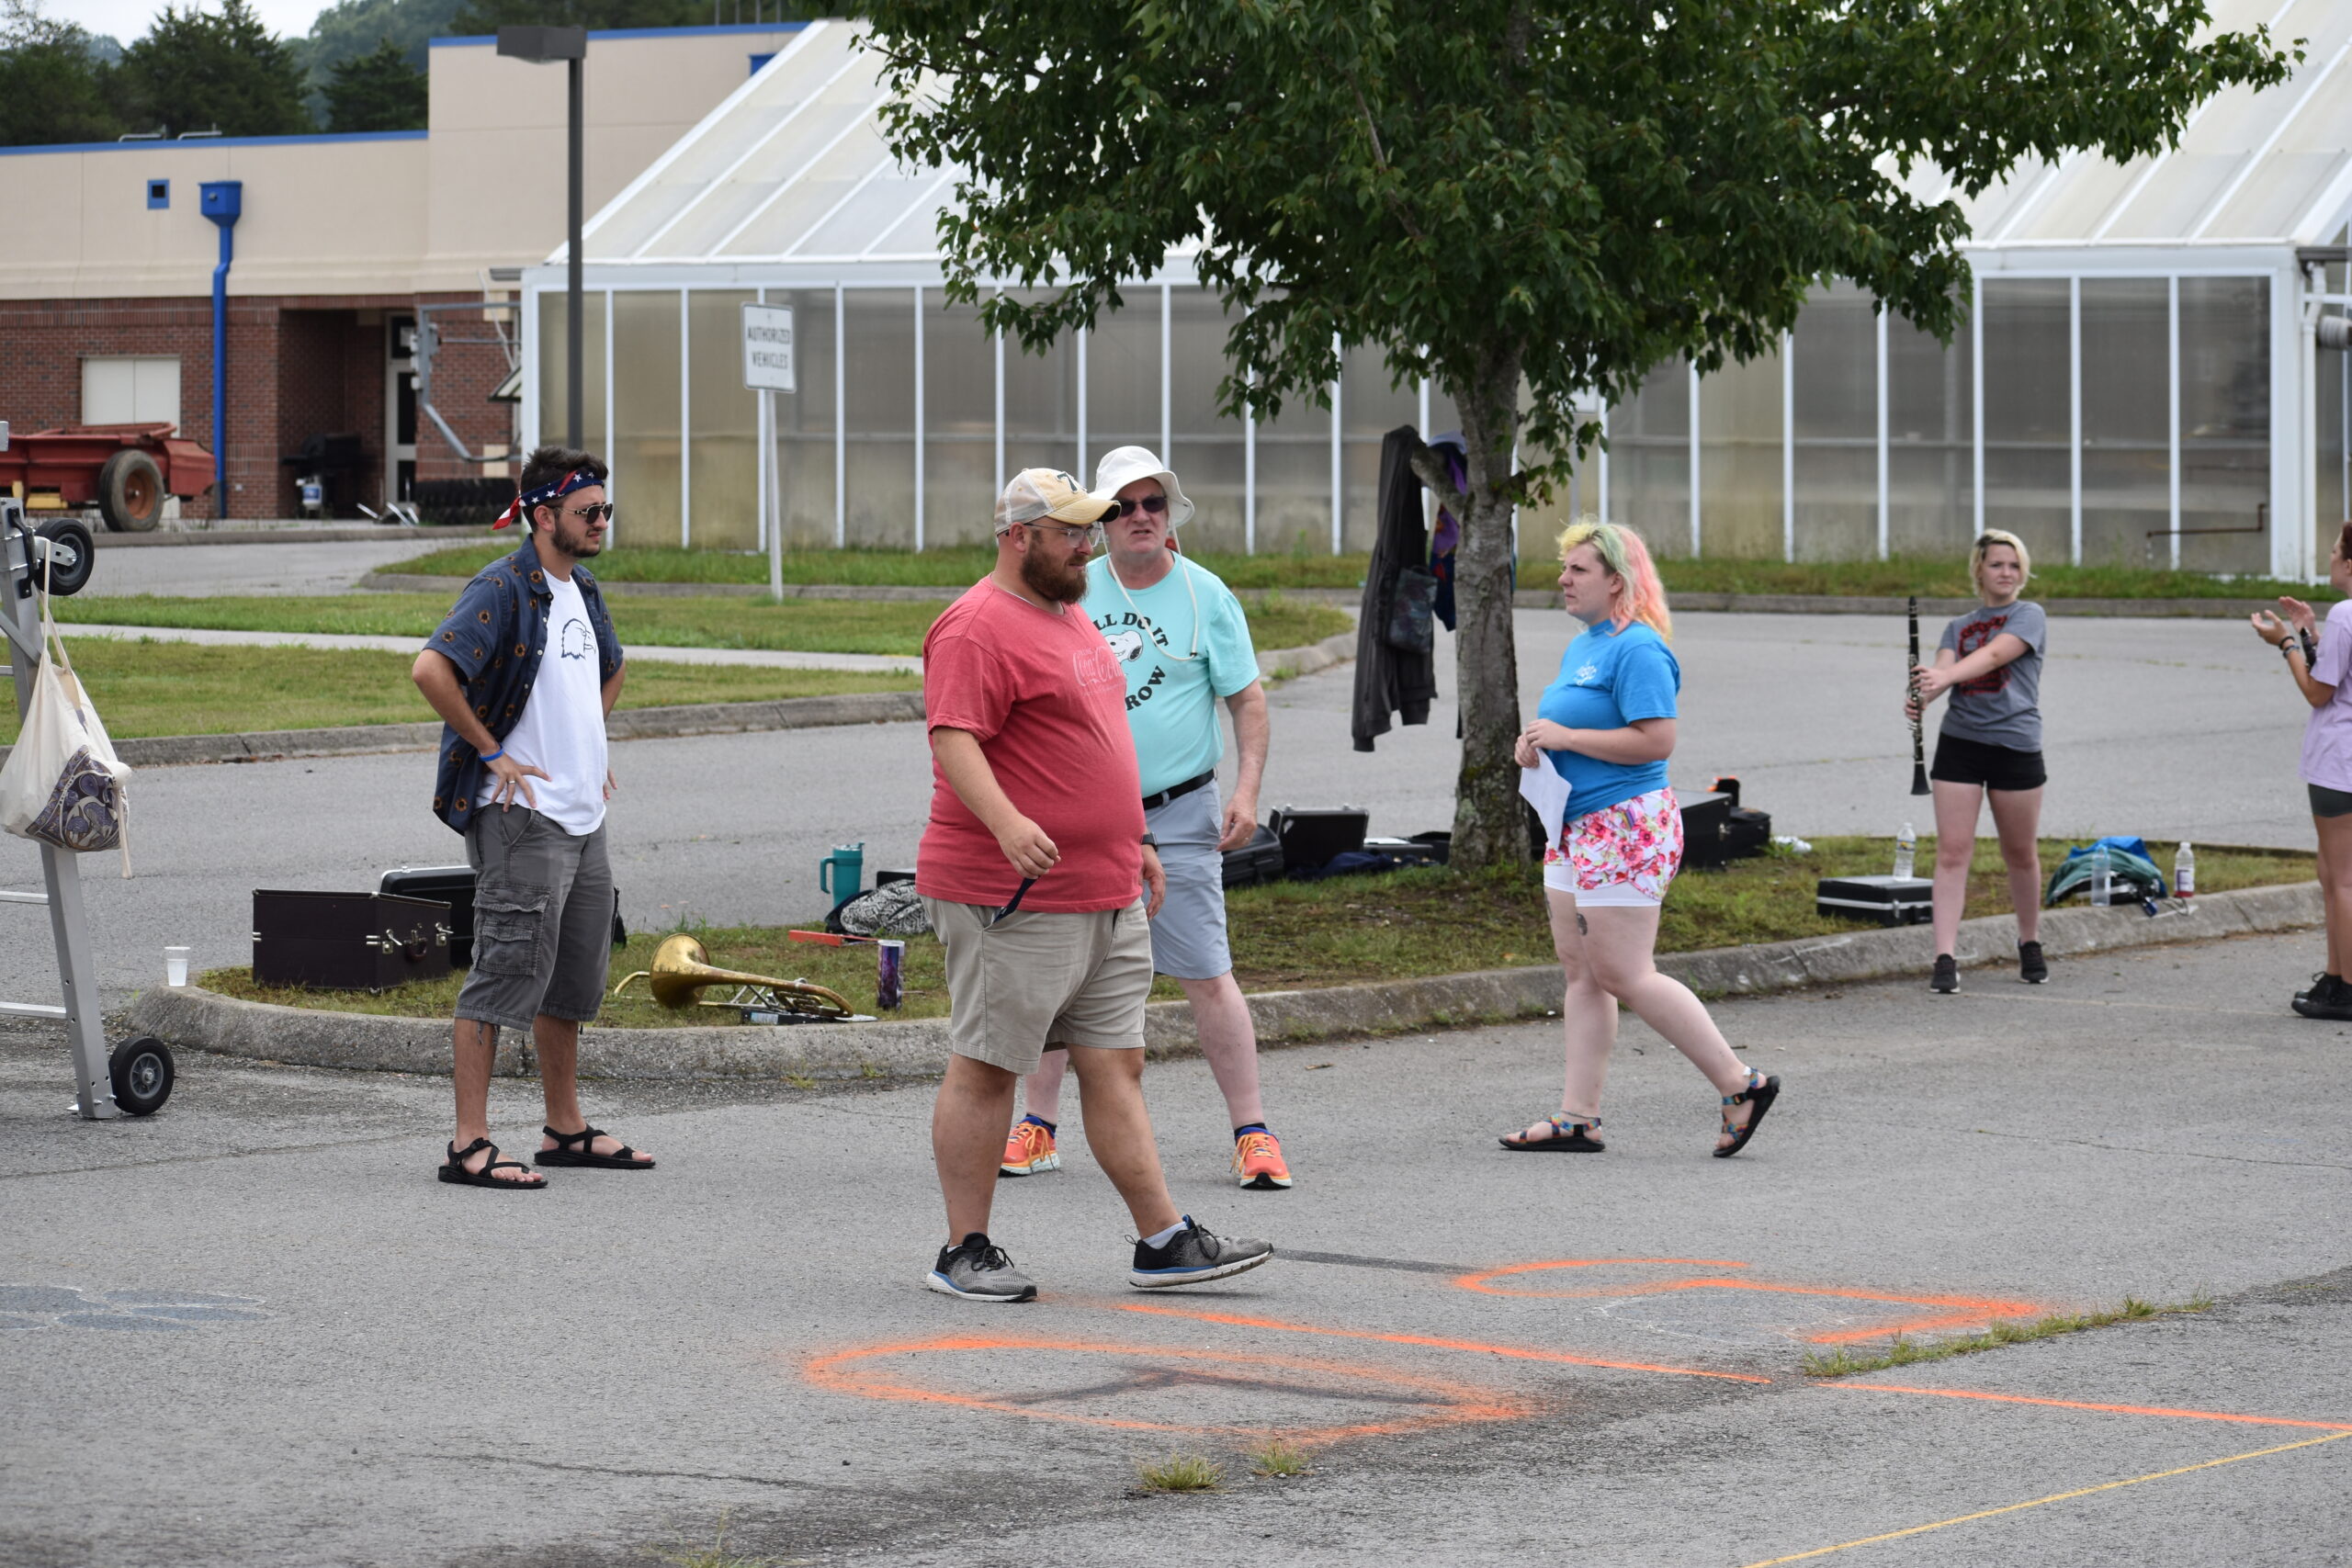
{"x":377,"y":91}
{"x":196,"y":71}
{"x":52,"y":85}
{"x":352,"y":29}
{"x":1531,"y":202}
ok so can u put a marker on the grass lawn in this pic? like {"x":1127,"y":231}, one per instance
{"x":808,"y":626}
{"x":1289,"y":935}
{"x":954,"y":566}
{"x":177,"y":688}
{"x":1931,"y":577}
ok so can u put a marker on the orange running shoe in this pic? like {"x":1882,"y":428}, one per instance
{"x":1029,"y":1150}
{"x":1258,"y":1162}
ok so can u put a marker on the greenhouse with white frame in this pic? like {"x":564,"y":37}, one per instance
{"x":2153,"y":372}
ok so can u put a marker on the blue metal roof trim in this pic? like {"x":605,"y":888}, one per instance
{"x":485,"y":39}
{"x":220,"y":141}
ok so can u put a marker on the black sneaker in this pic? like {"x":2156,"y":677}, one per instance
{"x":2329,"y":998}
{"x":1193,"y":1257}
{"x":979,"y":1271}
{"x":2032,"y":968}
{"x":1946,"y":979}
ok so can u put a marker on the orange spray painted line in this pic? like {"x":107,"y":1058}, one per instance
{"x":1473,"y":1347}
{"x":2086,"y":1404}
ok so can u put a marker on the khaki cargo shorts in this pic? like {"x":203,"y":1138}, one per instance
{"x":1035,"y":979}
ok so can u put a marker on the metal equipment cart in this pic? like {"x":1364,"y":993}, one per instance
{"x":135,"y":1078}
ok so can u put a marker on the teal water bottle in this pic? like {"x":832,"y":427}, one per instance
{"x":842,"y":872}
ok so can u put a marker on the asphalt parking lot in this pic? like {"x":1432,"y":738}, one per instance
{"x":253,"y":1330}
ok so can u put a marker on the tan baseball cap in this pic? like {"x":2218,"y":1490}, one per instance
{"x":1040,"y":495}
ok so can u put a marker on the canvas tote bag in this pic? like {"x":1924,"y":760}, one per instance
{"x":62,"y":784}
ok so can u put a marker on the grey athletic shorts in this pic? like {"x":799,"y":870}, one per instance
{"x":1188,"y":940}
{"x":543,"y":920}
{"x":1033,"y":980}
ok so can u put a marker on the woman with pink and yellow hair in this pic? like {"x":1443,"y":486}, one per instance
{"x":1606,"y":725}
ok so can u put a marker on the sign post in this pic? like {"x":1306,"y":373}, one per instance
{"x":767,"y":370}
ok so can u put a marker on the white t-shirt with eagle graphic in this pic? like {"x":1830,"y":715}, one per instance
{"x":562,"y":727}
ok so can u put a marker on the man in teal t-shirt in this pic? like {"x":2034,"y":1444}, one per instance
{"x":1181,"y":639}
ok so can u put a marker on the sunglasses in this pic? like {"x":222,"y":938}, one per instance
{"x":1151,"y":504}
{"x":591,"y":513}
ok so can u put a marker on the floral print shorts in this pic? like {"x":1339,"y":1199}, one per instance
{"x":1621,"y":855}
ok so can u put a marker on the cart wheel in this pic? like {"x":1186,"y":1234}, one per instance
{"x":61,"y":575}
{"x":131,"y":491}
{"x":143,"y":1073}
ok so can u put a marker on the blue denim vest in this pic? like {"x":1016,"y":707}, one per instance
{"x":496,"y":635}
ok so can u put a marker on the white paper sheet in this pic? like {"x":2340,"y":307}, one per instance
{"x":1542,"y":787}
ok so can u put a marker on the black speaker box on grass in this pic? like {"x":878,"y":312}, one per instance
{"x":1881,"y":900}
{"x":348,"y":942}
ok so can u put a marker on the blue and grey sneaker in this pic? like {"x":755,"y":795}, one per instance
{"x":978,"y":1270}
{"x":1193,"y":1257}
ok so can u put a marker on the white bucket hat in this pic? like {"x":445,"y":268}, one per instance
{"x":1123,"y":466}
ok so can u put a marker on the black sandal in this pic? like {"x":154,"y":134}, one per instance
{"x":455,"y":1170}
{"x":565,"y":1152}
{"x":1570,"y":1135}
{"x":1759,"y":1095}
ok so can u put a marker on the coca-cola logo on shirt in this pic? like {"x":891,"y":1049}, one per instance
{"x":1097,"y":666}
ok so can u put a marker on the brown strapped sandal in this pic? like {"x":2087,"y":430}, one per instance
{"x":578,"y":1149}
{"x":455,"y":1171}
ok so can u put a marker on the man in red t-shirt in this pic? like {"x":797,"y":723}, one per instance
{"x":1032,"y":870}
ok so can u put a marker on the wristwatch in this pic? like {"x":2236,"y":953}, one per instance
{"x":1149,"y":842}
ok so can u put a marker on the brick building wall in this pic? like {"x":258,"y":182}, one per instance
{"x":298,"y":366}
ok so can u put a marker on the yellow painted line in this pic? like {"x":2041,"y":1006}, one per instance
{"x":2039,"y":1502}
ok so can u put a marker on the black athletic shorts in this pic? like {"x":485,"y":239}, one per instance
{"x":2326,"y":802}
{"x":1995,"y":767}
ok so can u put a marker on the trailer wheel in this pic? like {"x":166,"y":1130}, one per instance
{"x":61,"y":578}
{"x":131,"y":491}
{"x":142,"y":1072}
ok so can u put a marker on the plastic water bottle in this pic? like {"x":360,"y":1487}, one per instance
{"x":2102,"y":876}
{"x":2184,"y":872}
{"x":1906,"y":847}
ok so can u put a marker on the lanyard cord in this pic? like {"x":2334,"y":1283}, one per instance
{"x":1191,"y":592}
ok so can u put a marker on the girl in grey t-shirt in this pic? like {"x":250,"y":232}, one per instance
{"x":1990,"y":661}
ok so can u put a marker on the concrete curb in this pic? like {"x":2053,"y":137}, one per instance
{"x":1525,"y":599}
{"x":356,"y":534}
{"x":193,"y":1017}
{"x":420,"y":583}
{"x":626,"y":723}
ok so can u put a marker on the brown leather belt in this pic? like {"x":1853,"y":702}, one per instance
{"x":1154,"y":801}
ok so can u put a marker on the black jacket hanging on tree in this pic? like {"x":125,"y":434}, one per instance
{"x":1390,"y":678}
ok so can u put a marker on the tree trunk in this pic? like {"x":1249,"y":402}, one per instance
{"x":1489,"y":821}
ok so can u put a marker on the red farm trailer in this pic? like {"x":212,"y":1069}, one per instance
{"x":125,"y":470}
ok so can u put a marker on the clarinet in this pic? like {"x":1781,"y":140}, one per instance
{"x":1911,"y":678}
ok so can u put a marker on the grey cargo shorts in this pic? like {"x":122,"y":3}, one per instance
{"x":543,"y":920}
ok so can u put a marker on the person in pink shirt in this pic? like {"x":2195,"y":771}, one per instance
{"x":2319,"y":657}
{"x":1032,"y":870}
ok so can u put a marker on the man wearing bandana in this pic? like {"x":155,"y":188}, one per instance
{"x":522,"y":673}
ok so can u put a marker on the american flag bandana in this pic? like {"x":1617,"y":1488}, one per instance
{"x":520,"y":507}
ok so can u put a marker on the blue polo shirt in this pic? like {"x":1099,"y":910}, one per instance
{"x":1608,"y":680}
{"x":495,"y":635}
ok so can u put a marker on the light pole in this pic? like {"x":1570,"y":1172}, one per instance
{"x":539,"y":46}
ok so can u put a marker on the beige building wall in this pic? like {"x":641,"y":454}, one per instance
{"x":406,"y":214}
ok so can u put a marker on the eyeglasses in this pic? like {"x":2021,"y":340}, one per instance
{"x":1091,"y":534}
{"x":1152,"y":505}
{"x":591,"y":512}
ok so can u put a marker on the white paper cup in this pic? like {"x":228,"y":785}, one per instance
{"x":175,"y":965}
